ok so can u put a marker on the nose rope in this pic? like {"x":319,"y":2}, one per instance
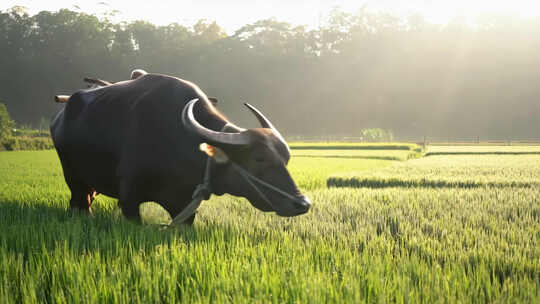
{"x":249,"y":177}
{"x":261,"y":194}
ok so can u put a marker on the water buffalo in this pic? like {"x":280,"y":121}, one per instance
{"x":140,"y":140}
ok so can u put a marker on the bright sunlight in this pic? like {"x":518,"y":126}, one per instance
{"x":233,"y":14}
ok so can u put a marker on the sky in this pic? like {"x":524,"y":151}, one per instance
{"x":232,"y":14}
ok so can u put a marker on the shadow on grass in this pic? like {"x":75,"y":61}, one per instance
{"x":355,"y":182}
{"x":30,"y":230}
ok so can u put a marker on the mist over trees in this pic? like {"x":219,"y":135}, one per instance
{"x":361,"y":70}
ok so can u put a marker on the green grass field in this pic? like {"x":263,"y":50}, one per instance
{"x":472,"y":234}
{"x":483,"y":149}
{"x":365,"y":154}
{"x":450,"y":171}
{"x":353,"y":146}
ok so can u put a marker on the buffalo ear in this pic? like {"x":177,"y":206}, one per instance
{"x":213,"y":100}
{"x":216,"y":153}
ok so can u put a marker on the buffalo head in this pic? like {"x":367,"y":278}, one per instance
{"x":250,"y":163}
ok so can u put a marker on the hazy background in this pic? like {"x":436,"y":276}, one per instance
{"x":424,"y":68}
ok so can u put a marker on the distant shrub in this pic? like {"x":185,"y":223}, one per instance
{"x":25,"y":138}
{"x":6,"y":124}
{"x":377,"y":135}
{"x":30,"y":133}
{"x":26,"y":143}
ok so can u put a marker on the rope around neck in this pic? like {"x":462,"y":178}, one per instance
{"x":204,"y":191}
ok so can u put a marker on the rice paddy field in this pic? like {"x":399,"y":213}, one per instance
{"x":483,"y":149}
{"x":387,"y":225}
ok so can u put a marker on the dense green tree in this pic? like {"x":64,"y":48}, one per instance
{"x":355,"y":71}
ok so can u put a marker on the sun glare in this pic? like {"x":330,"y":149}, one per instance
{"x":232,"y":15}
{"x":442,"y":12}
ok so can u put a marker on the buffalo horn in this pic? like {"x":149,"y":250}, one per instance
{"x":188,"y":119}
{"x":97,"y":81}
{"x":265,"y":122}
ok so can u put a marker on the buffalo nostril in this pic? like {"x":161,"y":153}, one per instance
{"x":303,"y":203}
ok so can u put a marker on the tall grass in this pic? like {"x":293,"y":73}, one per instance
{"x":430,"y":245}
{"x":450,"y":171}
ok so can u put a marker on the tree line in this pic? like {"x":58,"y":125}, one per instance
{"x":357,"y":70}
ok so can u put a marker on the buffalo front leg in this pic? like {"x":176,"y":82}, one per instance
{"x":189,"y":221}
{"x":130,"y":200}
{"x":82,"y":195}
{"x":175,"y":202}
{"x":175,"y":209}
{"x":82,"y":198}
